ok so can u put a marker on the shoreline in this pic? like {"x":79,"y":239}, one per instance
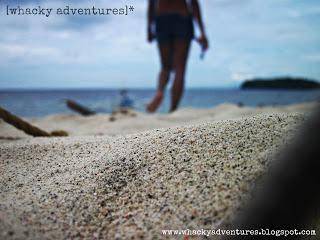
{"x":100,"y":124}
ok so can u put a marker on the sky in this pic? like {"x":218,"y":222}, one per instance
{"x":248,"y":38}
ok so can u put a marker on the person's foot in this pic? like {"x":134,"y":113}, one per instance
{"x":172,"y":110}
{"x":155,"y":102}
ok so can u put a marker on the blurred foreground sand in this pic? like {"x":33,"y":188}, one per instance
{"x":193,"y":175}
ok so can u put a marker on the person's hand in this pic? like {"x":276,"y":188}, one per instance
{"x":203,"y":41}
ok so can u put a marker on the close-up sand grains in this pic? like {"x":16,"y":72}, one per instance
{"x":134,"y":186}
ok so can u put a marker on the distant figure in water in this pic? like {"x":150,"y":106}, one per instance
{"x":125,"y":101}
{"x":170,"y":22}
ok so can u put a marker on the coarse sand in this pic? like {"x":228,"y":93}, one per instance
{"x":126,"y":186}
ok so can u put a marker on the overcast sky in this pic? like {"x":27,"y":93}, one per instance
{"x":249,"y":38}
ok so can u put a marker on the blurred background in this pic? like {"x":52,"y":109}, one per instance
{"x":89,"y":58}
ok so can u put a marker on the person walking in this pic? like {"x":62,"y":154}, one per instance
{"x":170,"y":22}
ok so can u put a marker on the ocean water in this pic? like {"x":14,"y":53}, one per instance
{"x":29,"y":103}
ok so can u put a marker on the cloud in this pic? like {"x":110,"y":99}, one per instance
{"x":81,"y":38}
{"x":248,"y":38}
{"x":240,"y":76}
{"x":314,"y":57}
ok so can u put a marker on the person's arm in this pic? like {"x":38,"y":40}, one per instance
{"x":151,"y":8}
{"x":196,"y":12}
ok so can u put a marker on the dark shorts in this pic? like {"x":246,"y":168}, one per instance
{"x":171,"y":27}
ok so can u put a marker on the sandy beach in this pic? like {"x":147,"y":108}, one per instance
{"x":100,"y":124}
{"x":137,"y":175}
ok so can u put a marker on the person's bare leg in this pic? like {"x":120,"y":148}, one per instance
{"x":158,"y":97}
{"x":181,"y":51}
{"x":164,"y":75}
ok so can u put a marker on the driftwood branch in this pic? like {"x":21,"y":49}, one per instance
{"x":27,"y":127}
{"x":79,"y":108}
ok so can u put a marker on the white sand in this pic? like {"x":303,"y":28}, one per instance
{"x":191,"y":176}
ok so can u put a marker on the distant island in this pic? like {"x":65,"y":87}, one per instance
{"x":280,"y":83}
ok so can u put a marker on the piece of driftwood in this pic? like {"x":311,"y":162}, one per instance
{"x":27,"y":127}
{"x":84,"y":111}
